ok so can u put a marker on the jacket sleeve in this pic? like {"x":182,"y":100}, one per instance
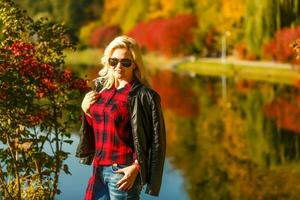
{"x":158,"y":147}
{"x":86,"y":147}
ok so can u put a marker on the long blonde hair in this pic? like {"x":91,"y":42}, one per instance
{"x":106,"y":77}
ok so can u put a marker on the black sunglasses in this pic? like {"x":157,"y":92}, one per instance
{"x":125,"y":62}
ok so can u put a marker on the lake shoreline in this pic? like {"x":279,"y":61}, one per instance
{"x":265,"y":71}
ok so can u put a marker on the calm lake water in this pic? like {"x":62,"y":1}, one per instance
{"x":238,"y":141}
{"x":224,"y":142}
{"x":73,"y":187}
{"x":233,"y":141}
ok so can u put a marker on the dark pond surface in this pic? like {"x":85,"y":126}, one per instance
{"x":235,"y":142}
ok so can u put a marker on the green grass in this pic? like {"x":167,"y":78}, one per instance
{"x":89,"y":57}
{"x":238,"y":71}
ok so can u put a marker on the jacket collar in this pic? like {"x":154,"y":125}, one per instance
{"x":136,"y":84}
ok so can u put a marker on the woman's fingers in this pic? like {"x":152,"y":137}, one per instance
{"x":130,"y":185}
{"x":89,"y":93}
{"x":122,"y":180}
{"x":89,"y":99}
{"x":120,"y":170}
{"x":126,"y":185}
{"x":127,"y":181}
{"x":123,"y":186}
{"x":91,"y":96}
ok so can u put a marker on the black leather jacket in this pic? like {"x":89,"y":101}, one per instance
{"x":149,"y":136}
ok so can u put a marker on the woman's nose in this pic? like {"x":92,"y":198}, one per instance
{"x":119,"y":65}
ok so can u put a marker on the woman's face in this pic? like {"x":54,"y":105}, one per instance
{"x":122,"y":63}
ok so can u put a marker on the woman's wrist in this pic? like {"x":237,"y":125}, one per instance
{"x":137,"y":165}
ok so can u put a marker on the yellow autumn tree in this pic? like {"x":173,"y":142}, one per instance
{"x":125,"y":13}
{"x":167,"y":8}
{"x":160,"y":8}
{"x":232,"y":12}
{"x":222,"y":14}
{"x":215,"y":18}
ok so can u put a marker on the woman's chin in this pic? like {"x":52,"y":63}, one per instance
{"x":119,"y":76}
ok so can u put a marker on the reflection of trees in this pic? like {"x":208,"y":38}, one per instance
{"x":230,"y":150}
{"x":176,"y":92}
{"x":285,"y":113}
{"x":284,"y":110}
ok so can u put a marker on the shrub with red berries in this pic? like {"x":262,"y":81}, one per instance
{"x":39,"y":102}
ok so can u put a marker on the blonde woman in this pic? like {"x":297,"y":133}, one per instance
{"x":123,"y":129}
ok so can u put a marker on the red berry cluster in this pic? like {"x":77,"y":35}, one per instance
{"x":66,"y":76}
{"x":36,"y":119}
{"x":79,"y":84}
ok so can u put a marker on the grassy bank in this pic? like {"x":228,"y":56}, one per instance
{"x":258,"y":71}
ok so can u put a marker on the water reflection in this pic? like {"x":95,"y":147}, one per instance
{"x":244,"y":147}
{"x":73,"y":187}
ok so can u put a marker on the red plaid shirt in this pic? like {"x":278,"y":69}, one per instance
{"x":112,"y":128}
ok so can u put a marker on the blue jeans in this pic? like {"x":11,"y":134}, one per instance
{"x":105,"y":187}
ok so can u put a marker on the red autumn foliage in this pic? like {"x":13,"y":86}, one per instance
{"x":175,"y":93}
{"x":297,"y":83}
{"x":279,"y":48}
{"x":285,"y":113}
{"x":244,"y":86}
{"x":210,"y":43}
{"x":40,"y":94}
{"x":30,"y":68}
{"x":296,"y":47}
{"x":23,"y":52}
{"x":36,"y":119}
{"x":170,"y":36}
{"x":101,"y":36}
{"x":65,"y":76}
{"x":241,"y":52}
{"x":79,"y":84}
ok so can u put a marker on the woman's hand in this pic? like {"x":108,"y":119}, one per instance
{"x":130,"y":174}
{"x":89,"y":99}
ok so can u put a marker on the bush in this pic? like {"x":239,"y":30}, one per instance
{"x":101,"y":36}
{"x":279,"y":48}
{"x":241,"y":52}
{"x":296,"y":47}
{"x":38,"y":105}
{"x":85,"y":33}
{"x":173,"y":36}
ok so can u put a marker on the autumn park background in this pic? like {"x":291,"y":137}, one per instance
{"x":226,"y":70}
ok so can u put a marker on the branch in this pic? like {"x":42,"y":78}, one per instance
{"x":16,"y":168}
{"x":2,"y":179}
